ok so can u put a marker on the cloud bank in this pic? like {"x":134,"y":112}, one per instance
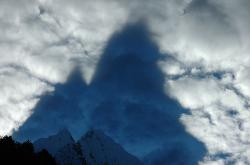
{"x":207,"y":73}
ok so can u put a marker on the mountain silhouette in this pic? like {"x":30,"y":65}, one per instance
{"x":125,"y":99}
{"x":93,"y":148}
{"x":12,"y":152}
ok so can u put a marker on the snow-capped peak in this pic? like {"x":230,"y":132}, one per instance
{"x":55,"y":142}
{"x":98,"y":148}
{"x":94,"y":148}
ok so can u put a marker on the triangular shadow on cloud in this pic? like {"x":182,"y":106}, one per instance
{"x":56,"y":110}
{"x":125,"y":99}
{"x":135,"y":109}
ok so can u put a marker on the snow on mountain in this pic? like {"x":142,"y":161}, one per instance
{"x":55,"y":142}
{"x":94,"y":148}
{"x":100,"y":149}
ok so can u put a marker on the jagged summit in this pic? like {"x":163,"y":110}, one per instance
{"x":93,"y":148}
{"x":55,"y":142}
{"x":101,"y":149}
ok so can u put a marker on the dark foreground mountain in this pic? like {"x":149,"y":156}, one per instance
{"x":13,"y":153}
{"x":94,"y":148}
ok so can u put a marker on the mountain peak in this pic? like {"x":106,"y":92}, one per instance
{"x":64,"y":132}
{"x":54,"y":142}
{"x":94,"y":148}
{"x":101,"y":149}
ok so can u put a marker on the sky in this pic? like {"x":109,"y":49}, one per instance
{"x":160,"y":77}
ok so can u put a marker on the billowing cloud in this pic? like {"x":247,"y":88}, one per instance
{"x":206,"y":67}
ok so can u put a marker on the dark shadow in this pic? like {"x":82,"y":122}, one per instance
{"x":126,"y":100}
{"x":56,"y":110}
{"x":135,"y":110}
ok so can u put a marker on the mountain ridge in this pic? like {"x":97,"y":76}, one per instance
{"x":93,"y":148}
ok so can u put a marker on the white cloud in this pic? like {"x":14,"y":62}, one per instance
{"x":211,"y":37}
{"x":205,"y":33}
{"x":194,"y":93}
{"x":171,"y":67}
{"x":218,"y":117}
{"x":243,"y":80}
{"x":40,"y":43}
{"x":19,"y":93}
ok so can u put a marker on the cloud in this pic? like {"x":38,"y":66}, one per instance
{"x":220,"y":110}
{"x":204,"y":34}
{"x":18,"y":98}
{"x":242,"y":80}
{"x":208,"y":71}
{"x":171,"y":67}
{"x":208,"y":39}
{"x":194,"y":93}
{"x":47,"y":39}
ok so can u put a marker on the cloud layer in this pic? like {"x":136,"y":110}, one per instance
{"x":206,"y":65}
